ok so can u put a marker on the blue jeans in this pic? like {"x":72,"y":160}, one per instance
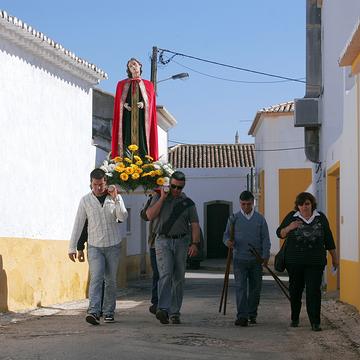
{"x":155,"y":277}
{"x":248,"y":280}
{"x":103,"y":265}
{"x":171,"y":261}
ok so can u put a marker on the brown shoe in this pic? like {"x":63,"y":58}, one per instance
{"x":162,"y":316}
{"x":175,"y":319}
{"x":241,"y":322}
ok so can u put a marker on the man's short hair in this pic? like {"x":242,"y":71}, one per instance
{"x":178,"y":175}
{"x":97,"y":174}
{"x":246,"y":196}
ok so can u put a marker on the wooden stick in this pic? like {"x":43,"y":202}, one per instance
{"x":282,"y":286}
{"x":226,"y":281}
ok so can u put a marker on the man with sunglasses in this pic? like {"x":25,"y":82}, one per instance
{"x":178,"y":235}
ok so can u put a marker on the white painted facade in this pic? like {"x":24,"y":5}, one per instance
{"x":46,"y":151}
{"x":273,"y":133}
{"x":339,"y":134}
{"x":204,"y":185}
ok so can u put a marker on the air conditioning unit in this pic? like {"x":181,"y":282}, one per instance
{"x":307,"y":112}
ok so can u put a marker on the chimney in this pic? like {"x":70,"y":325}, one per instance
{"x":237,"y":138}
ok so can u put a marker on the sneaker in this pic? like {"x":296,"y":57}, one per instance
{"x":175,"y":319}
{"x":109,"y":319}
{"x":92,"y":319}
{"x":252,"y":320}
{"x":241,"y":322}
{"x":162,"y":316}
{"x":153,"y":308}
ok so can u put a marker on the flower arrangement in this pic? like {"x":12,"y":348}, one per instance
{"x":133,"y":171}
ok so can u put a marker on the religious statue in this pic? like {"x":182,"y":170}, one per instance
{"x":134,"y":119}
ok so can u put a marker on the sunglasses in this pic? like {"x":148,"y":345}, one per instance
{"x":173,"y":186}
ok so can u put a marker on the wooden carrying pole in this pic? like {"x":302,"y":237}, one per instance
{"x":282,"y":286}
{"x":224,"y":292}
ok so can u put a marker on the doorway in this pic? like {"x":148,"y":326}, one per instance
{"x":216,"y":216}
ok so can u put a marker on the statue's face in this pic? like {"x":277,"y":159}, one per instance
{"x":134,"y":68}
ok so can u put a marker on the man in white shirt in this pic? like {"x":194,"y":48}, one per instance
{"x":104,"y":209}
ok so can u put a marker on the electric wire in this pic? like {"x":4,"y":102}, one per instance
{"x":161,"y":59}
{"x":231,"y":80}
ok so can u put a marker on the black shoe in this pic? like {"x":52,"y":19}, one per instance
{"x":109,"y":319}
{"x":153,"y":308}
{"x":252,"y":320}
{"x":294,"y":323}
{"x":175,"y":319}
{"x":162,"y":316}
{"x":315,"y":327}
{"x":241,"y":322}
{"x":92,"y":319}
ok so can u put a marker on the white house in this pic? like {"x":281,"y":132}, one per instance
{"x":216,"y":174}
{"x":281,"y":166}
{"x":46,"y":157}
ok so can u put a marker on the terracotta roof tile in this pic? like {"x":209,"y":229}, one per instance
{"x":212,"y":156}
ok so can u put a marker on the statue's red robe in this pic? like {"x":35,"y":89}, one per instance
{"x":147,"y":125}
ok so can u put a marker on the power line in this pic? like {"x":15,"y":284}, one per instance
{"x":164,"y":62}
{"x":230,"y":80}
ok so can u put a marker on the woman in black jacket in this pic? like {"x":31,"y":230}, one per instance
{"x":308,"y":236}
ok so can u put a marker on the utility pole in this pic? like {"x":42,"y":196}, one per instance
{"x":154,"y":59}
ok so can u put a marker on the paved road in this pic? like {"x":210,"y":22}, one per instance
{"x":203,"y":334}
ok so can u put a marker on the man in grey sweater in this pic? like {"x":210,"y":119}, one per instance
{"x":247,"y":227}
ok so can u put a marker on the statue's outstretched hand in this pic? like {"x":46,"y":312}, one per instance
{"x":127,"y":107}
{"x":140,"y":105}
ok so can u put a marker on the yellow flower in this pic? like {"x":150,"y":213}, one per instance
{"x":135,"y":176}
{"x":128,"y":160}
{"x":117,"y":159}
{"x":139,"y":162}
{"x":119,"y":168}
{"x":145,"y":166}
{"x":139,"y":171}
{"x":129,"y":170}
{"x":133,"y":147}
{"x":152,"y":173}
{"x":124,"y":176}
{"x":160,"y":181}
{"x":137,"y":158}
{"x":149,"y":157}
{"x":158,"y":172}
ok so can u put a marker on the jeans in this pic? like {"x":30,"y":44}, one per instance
{"x":103,"y":265}
{"x":171,"y":261}
{"x":155,"y":277}
{"x":248,"y":281}
{"x":311,"y":277}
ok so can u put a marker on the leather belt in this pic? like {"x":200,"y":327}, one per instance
{"x":179,"y":236}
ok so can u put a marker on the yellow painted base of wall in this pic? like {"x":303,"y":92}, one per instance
{"x":38,"y":273}
{"x":349,"y":282}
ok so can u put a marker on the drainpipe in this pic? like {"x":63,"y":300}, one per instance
{"x":313,"y":73}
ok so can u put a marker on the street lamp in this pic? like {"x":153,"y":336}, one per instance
{"x":175,"y":77}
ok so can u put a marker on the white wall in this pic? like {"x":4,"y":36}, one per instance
{"x":46,"y":151}
{"x":205,"y":184}
{"x":277,"y":132}
{"x":340,"y":130}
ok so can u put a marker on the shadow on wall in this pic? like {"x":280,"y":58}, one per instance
{"x":3,"y":288}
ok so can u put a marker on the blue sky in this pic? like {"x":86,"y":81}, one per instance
{"x":263,"y":35}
